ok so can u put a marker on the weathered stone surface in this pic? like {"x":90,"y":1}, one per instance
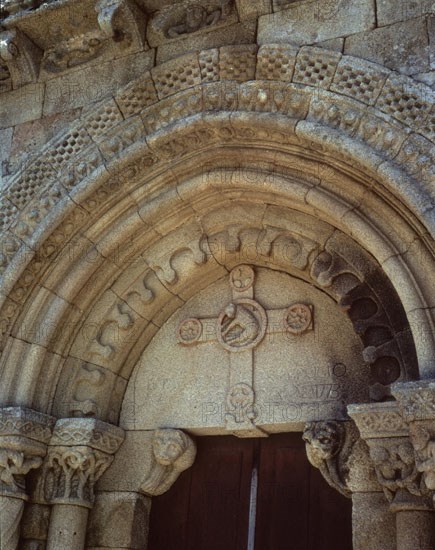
{"x":119,"y":520}
{"x":308,"y":23}
{"x":87,"y":85}
{"x":235,"y":33}
{"x":22,"y":105}
{"x":403,"y":46}
{"x":5,"y":149}
{"x":391,"y":11}
{"x":230,"y":235}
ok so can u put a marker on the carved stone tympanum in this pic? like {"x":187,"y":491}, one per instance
{"x":240,"y":328}
{"x":173,"y":452}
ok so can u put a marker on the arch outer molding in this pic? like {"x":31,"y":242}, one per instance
{"x":136,"y":182}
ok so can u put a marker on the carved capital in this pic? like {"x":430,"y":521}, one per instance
{"x":24,"y":435}
{"x":328,"y":445}
{"x":21,"y":56}
{"x":382,"y":426}
{"x":417,"y":402}
{"x":71,"y":474}
{"x":80,"y":451}
{"x":173,"y":452}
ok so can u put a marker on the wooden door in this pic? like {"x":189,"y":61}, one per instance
{"x":265,"y":486}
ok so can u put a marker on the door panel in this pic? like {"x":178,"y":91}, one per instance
{"x":208,"y":506}
{"x":283,"y":494}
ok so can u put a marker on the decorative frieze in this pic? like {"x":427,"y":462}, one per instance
{"x":173,"y":452}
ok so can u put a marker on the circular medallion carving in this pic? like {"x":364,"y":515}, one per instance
{"x":189,"y":331}
{"x":240,"y":402}
{"x":241,"y":325}
{"x":298,"y":318}
{"x":242,"y":278}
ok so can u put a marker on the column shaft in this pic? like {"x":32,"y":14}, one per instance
{"x":373,"y":525}
{"x":415,"y":530}
{"x":67,"y":527}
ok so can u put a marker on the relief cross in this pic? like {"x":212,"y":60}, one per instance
{"x":239,"y":328}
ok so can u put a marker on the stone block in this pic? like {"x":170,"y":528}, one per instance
{"x":119,"y":520}
{"x":83,"y":389}
{"x":238,"y":62}
{"x":138,"y":95}
{"x":84,"y":86}
{"x":251,"y":10}
{"x":392,"y":11}
{"x":316,"y":67}
{"x":30,"y":137}
{"x":431,"y":35}
{"x":308,"y":23}
{"x":335,"y":44}
{"x":402,"y":47}
{"x":132,"y":463}
{"x":276,"y":62}
{"x":22,"y":105}
{"x":406,"y":100}
{"x":359,"y":80}
{"x":176,"y":75}
{"x":34,"y":362}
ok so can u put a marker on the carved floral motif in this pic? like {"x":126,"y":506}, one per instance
{"x":299,"y":318}
{"x":173,"y":452}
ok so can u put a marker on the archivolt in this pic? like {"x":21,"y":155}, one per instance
{"x":135,"y":215}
